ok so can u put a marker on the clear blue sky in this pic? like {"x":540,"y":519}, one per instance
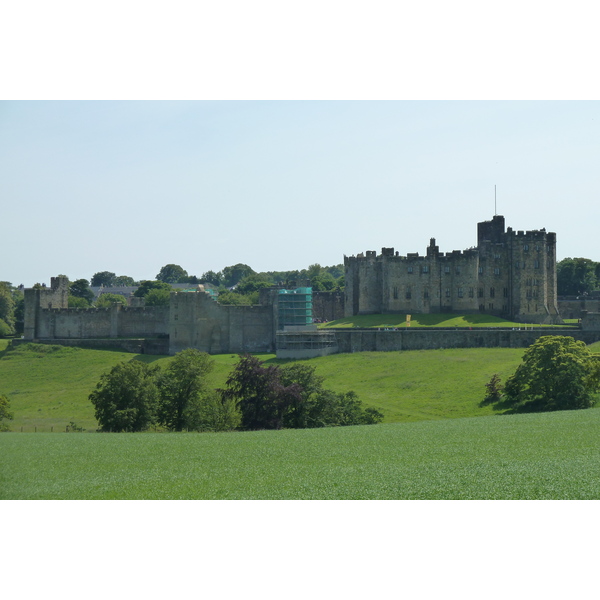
{"x":131,"y":186}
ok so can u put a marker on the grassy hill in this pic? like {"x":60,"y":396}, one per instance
{"x":541,"y":456}
{"x":48,"y":386}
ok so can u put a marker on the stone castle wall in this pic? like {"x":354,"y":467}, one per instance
{"x":198,"y":321}
{"x":391,"y":341}
{"x":117,"y":321}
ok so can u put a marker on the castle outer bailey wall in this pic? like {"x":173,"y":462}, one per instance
{"x":509,"y":274}
{"x":198,"y":321}
{"x":117,"y":321}
{"x":392,"y":341}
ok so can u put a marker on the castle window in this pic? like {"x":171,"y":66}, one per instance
{"x":535,"y":293}
{"x":481,"y":270}
{"x":528,"y":281}
{"x":471,"y":293}
{"x":491,"y":305}
{"x":395,"y":293}
{"x":482,"y":307}
{"x":458,"y":270}
{"x":425,"y":269}
{"x":526,"y":247}
{"x":536,"y":264}
{"x":505,"y":292}
{"x":408,"y":293}
{"x":537,"y":247}
{"x":480,"y":293}
{"x":410,"y":270}
{"x":535,"y":282}
{"x":176,"y":317}
{"x":517,"y":264}
{"x":492,"y":292}
{"x":529,"y":294}
{"x":460,"y":292}
{"x":447,"y":292}
{"x":496,"y":271}
{"x":504,"y":308}
{"x":446,"y":269}
{"x":496,"y":255}
{"x":426,"y":294}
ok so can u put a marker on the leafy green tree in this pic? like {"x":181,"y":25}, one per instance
{"x":7,"y":308}
{"x":75,"y":302}
{"x":158,"y":298}
{"x":123,"y":281}
{"x":575,"y":276}
{"x":234,"y":274}
{"x":212,"y":413}
{"x":107,"y":300}
{"x":181,"y":387}
{"x":105,"y":278}
{"x":320,"y":407}
{"x":233,"y":298}
{"x":171,"y":273}
{"x":146,"y":286}
{"x":126,"y":397}
{"x":557,"y":373}
{"x":251,"y":283}
{"x":212,"y":277}
{"x":189,"y":279}
{"x":81,"y":289}
{"x":5,"y":414}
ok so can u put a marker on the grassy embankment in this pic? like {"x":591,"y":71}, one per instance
{"x":49,"y":388}
{"x":434,"y":320}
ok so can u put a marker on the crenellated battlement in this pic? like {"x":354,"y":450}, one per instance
{"x":509,"y":273}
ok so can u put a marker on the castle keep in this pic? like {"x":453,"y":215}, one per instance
{"x":510,"y":274}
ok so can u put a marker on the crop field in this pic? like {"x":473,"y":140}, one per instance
{"x":542,"y":456}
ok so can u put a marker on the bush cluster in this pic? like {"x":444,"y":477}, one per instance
{"x":133,"y":396}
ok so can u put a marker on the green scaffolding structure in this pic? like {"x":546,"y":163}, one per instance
{"x":295,"y":307}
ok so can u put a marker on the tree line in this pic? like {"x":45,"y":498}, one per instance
{"x":134,"y":396}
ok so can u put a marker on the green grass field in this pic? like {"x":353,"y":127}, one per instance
{"x":49,"y":387}
{"x":430,"y":320}
{"x":543,"y":456}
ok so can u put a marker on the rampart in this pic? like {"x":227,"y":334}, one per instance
{"x":369,"y":340}
{"x":85,"y":323}
{"x":198,"y":321}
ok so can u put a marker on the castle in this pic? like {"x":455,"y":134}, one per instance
{"x":509,"y":274}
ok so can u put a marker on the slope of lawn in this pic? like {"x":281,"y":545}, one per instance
{"x":541,"y":456}
{"x":48,"y":386}
{"x":428,"y":320}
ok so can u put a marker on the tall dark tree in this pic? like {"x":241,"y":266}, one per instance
{"x":126,"y":397}
{"x":105,"y":278}
{"x":576,"y":276}
{"x":260,"y":396}
{"x":181,"y":386}
{"x":171,"y":273}
{"x":234,"y":274}
{"x":123,"y":280}
{"x":146,"y":286}
{"x":81,"y":289}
